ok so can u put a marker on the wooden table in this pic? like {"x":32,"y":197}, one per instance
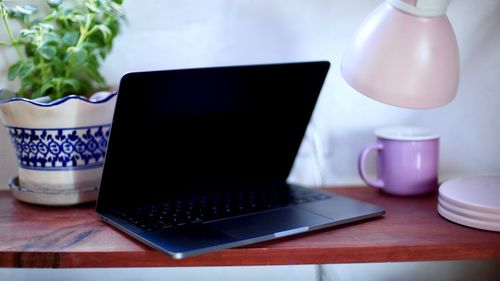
{"x":412,"y":230}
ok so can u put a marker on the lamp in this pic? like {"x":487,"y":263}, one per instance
{"x":405,"y":54}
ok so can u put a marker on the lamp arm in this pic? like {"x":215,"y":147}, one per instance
{"x":422,"y":8}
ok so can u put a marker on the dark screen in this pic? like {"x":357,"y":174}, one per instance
{"x":180,"y":132}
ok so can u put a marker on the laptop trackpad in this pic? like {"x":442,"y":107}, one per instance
{"x":281,"y":222}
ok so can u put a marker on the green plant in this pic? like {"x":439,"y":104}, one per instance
{"x":60,"y":53}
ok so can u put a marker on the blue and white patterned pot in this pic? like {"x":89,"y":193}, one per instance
{"x":60,"y":147}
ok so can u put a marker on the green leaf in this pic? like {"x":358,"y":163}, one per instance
{"x":24,"y":11}
{"x":27,"y":81}
{"x":76,"y":18}
{"x":58,"y":66}
{"x":21,"y":92}
{"x":94,"y":74}
{"x":86,"y":86}
{"x":92,"y":62}
{"x":48,"y":52}
{"x":31,"y":8}
{"x":37,"y":93}
{"x":117,"y":10}
{"x":52,"y":38}
{"x":77,"y":56}
{"x":92,"y":8}
{"x":10,"y":11}
{"x":73,"y":84}
{"x":70,"y":38}
{"x":91,"y":46}
{"x":45,"y":26}
{"x":50,"y":17}
{"x":54,"y":3}
{"x":105,"y":31}
{"x":27,"y":33}
{"x":30,"y":49}
{"x":13,"y":71}
{"x":46,"y":87}
{"x":26,"y":69}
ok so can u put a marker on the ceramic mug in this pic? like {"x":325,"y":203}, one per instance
{"x":407,"y":161}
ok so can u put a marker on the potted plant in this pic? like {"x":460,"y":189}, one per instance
{"x":59,"y":118}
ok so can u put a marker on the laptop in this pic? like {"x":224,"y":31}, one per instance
{"x":198,"y":159}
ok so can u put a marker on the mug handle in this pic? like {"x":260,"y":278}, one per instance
{"x":379,"y":183}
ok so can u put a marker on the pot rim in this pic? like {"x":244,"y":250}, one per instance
{"x":60,"y":101}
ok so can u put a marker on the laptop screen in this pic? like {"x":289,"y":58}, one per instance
{"x":179,"y":132}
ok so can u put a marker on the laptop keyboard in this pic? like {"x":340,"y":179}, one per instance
{"x":214,"y":207}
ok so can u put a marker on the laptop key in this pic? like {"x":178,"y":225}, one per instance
{"x":210,"y":208}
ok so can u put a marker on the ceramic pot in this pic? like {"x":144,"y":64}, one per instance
{"x":60,"y":147}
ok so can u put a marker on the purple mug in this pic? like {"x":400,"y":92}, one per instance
{"x":407,"y":161}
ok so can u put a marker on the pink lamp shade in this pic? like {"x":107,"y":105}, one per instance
{"x":404,"y":59}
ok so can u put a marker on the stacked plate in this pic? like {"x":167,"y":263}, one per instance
{"x":471,"y":201}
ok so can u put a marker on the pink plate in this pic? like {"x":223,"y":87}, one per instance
{"x":468,"y":213}
{"x":479,"y":193}
{"x":467,"y":221}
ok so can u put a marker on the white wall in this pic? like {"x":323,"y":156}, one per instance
{"x":240,"y":273}
{"x":413,"y":271}
{"x":206,"y":33}
{"x":407,"y":271}
{"x":168,"y":34}
{"x":179,"y":34}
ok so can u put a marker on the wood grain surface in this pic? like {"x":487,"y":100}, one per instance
{"x":411,"y":230}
